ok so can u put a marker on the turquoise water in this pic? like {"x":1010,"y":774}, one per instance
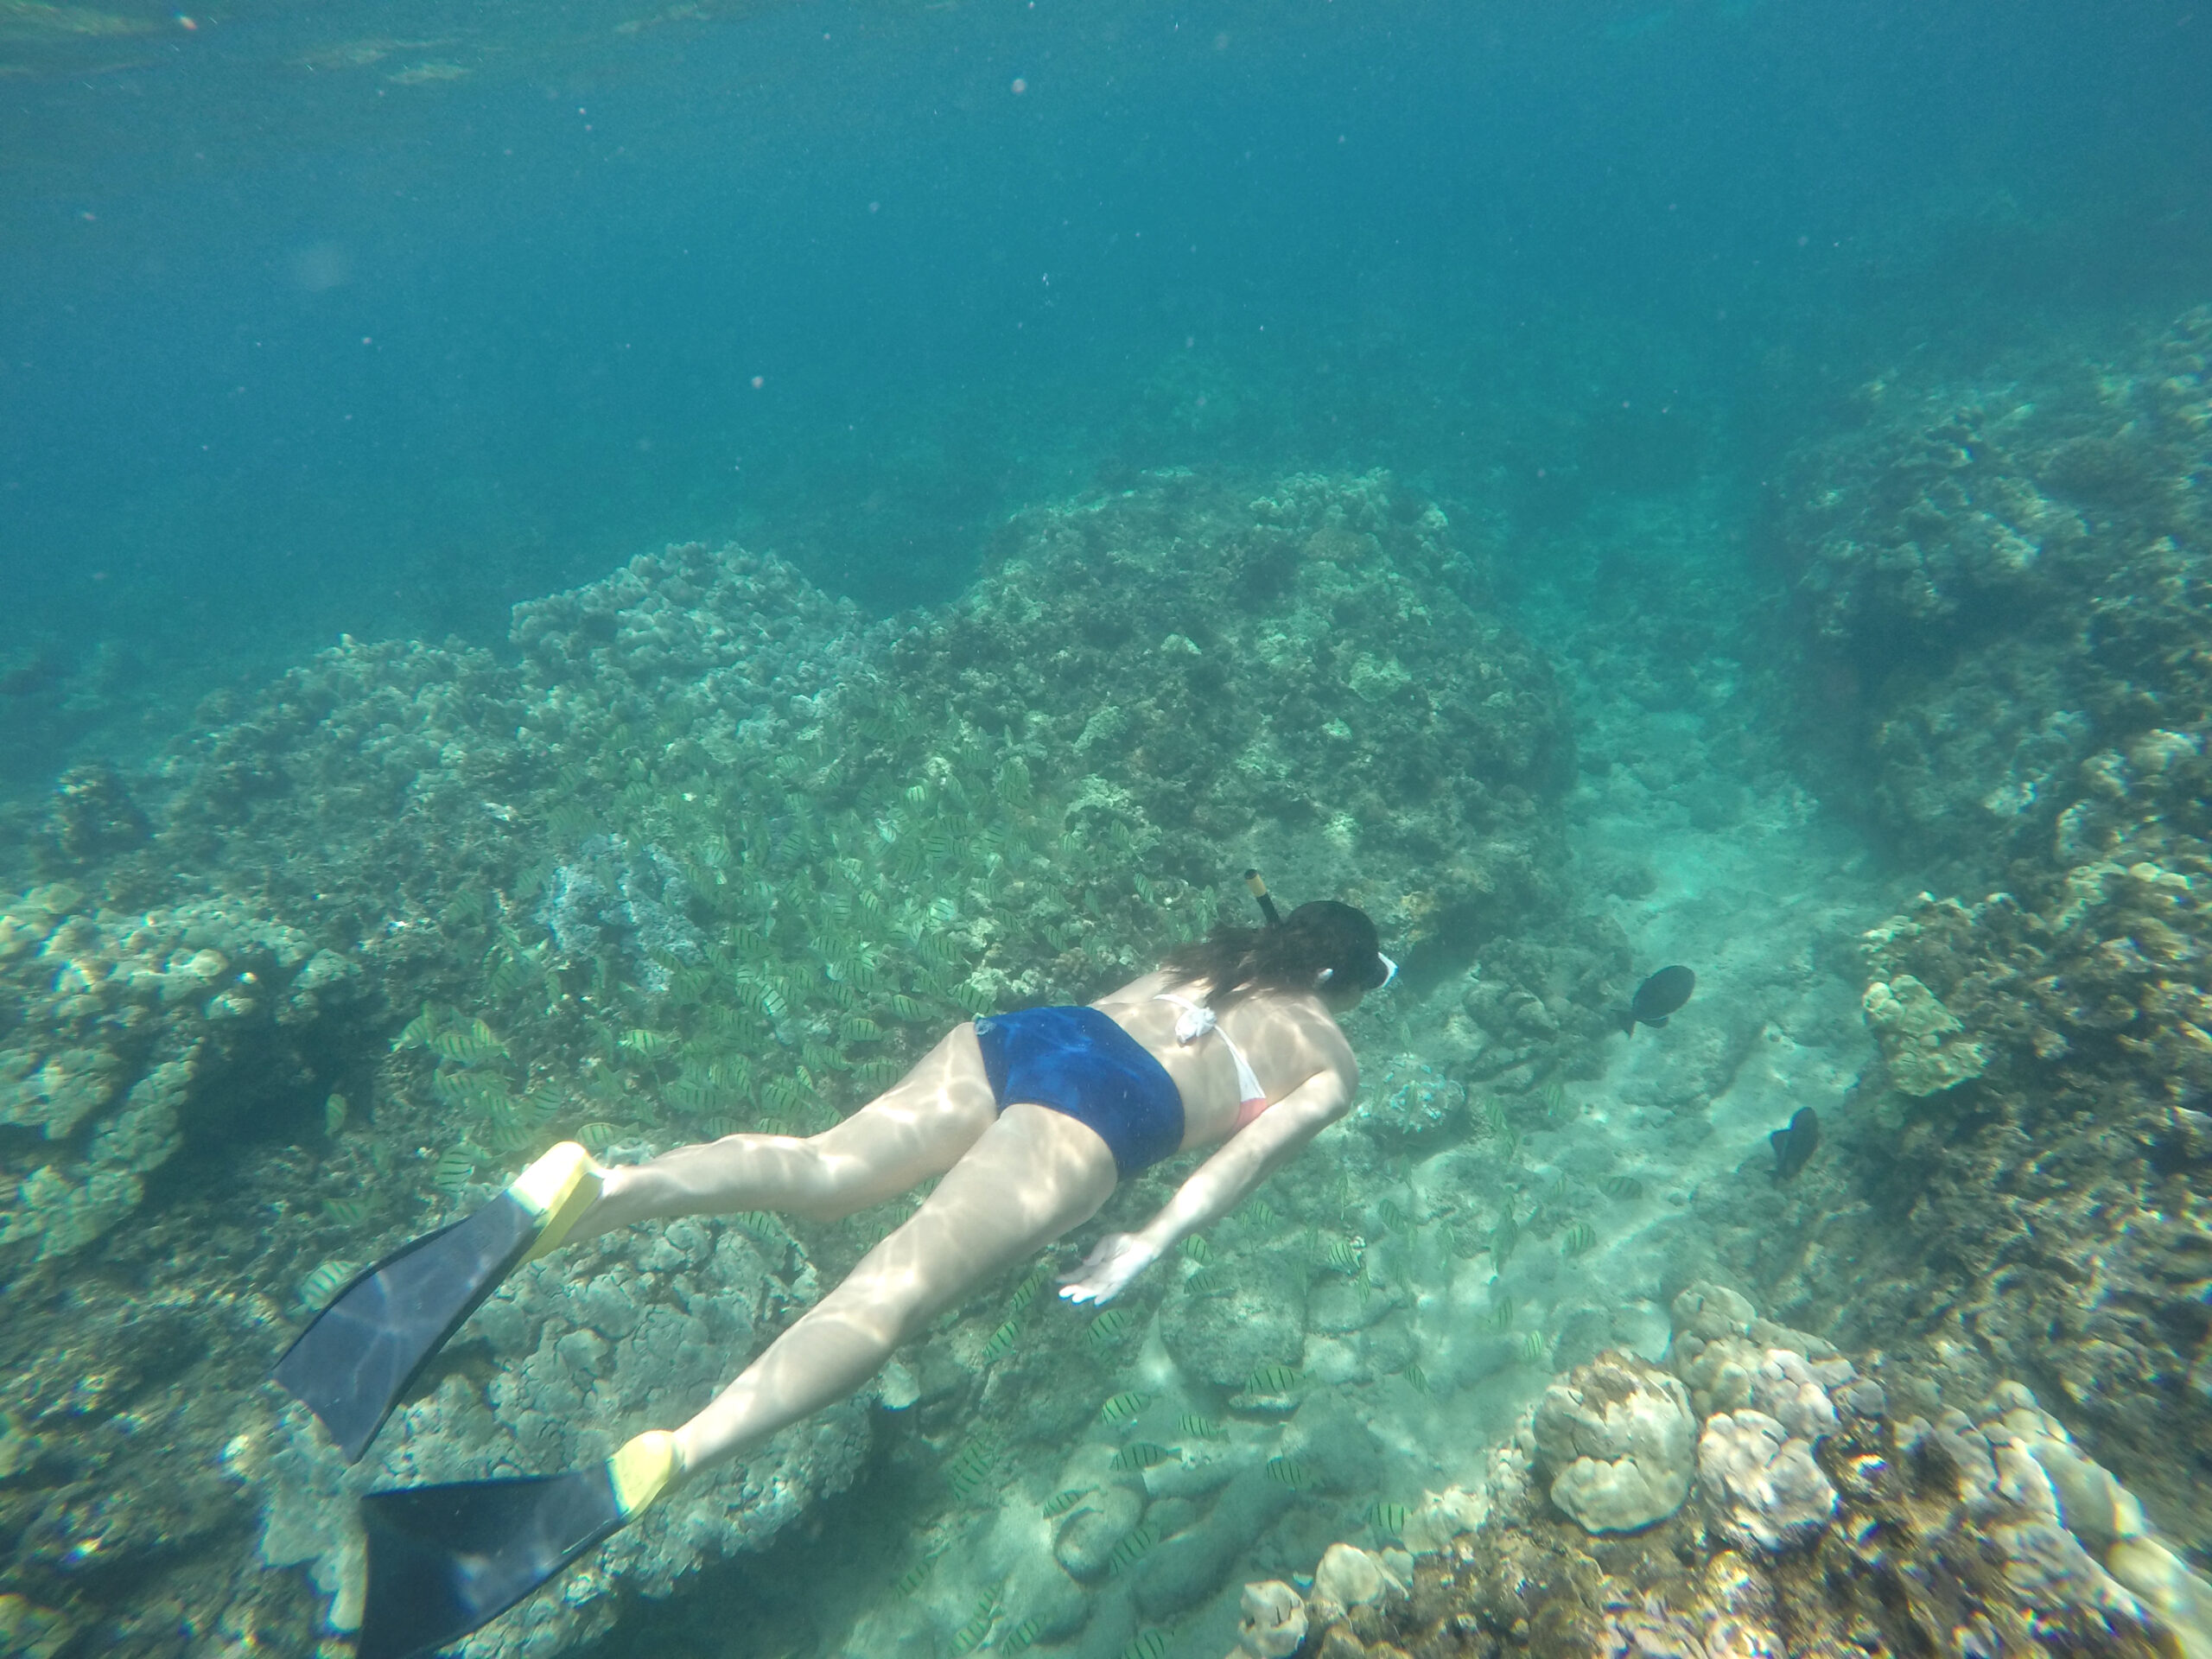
{"x":377,"y":322}
{"x":606,"y":573}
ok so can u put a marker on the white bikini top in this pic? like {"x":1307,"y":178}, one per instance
{"x":1194,"y":1022}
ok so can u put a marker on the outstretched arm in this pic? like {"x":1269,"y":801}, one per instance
{"x":1215,"y":1188}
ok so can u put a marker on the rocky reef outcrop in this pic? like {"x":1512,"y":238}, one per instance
{"x":1615,"y":1435}
{"x":127,"y":1035}
{"x":2007,"y":578}
{"x":2002,"y":582}
{"x":1979,"y":1531}
{"x":1301,"y":673}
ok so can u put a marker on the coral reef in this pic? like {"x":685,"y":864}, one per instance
{"x":1946,"y":1535}
{"x":2011,"y":576}
{"x":2009,"y":580}
{"x":1921,"y":1039}
{"x":1295,"y":674}
{"x":1762,"y":1481}
{"x":129,"y":1036}
{"x":711,"y":853}
{"x":1616,"y":1434}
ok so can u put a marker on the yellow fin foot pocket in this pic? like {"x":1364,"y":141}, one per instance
{"x":558,"y":1188}
{"x":644,"y":1468}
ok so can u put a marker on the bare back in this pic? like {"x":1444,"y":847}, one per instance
{"x":1289,"y":1037}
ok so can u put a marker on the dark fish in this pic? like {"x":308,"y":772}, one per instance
{"x":1793,"y":1147}
{"x":1657,"y":998}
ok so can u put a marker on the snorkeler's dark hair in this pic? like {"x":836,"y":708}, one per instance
{"x":1323,"y":937}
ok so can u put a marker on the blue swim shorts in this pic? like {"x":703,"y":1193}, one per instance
{"x":1078,"y":1061}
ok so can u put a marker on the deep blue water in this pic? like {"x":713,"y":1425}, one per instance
{"x":377,"y":317}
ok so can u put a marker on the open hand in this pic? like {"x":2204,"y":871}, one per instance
{"x":1106,"y":1272}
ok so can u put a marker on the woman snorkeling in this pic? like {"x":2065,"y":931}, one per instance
{"x":1030,"y":1119}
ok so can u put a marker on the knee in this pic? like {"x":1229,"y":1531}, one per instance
{"x":823,"y":1187}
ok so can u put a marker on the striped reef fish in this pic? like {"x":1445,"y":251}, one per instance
{"x":1124,"y":1406}
{"x":317,"y":1289}
{"x":1133,"y":1547}
{"x":1026,"y":1293}
{"x":1389,"y":1519}
{"x":1143,"y":1454}
{"x":1109,"y":1327}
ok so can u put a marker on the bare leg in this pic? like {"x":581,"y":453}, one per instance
{"x":917,"y":1128}
{"x":1032,"y":1175}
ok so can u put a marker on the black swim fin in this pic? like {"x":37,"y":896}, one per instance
{"x":352,"y":1364}
{"x":444,"y":1560}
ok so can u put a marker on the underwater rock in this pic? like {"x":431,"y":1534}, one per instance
{"x":1273,"y":1623}
{"x":1617,"y":1437}
{"x":1949,"y":1539}
{"x":1921,"y":1039}
{"x":1349,"y":1577}
{"x":1786,"y":1390}
{"x":30,"y":1631}
{"x":1246,"y":1314}
{"x":93,"y":815}
{"x":1259,"y":736}
{"x":2102,"y":1515}
{"x":1441,"y":1516}
{"x":134,"y":1033}
{"x":613,"y":895}
{"x":1763,"y":1484}
{"x":2088,"y":993}
{"x":1196,"y":1562}
{"x":1725,"y":1353}
{"x":897,"y":1387}
{"x":1969,"y":529}
{"x":1084,"y":1542}
{"x":1330,"y":1439}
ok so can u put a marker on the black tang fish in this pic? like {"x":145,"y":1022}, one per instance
{"x":1657,"y":998}
{"x":1795,"y":1146}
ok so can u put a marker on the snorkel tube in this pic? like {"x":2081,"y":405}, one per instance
{"x":1267,"y":901}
